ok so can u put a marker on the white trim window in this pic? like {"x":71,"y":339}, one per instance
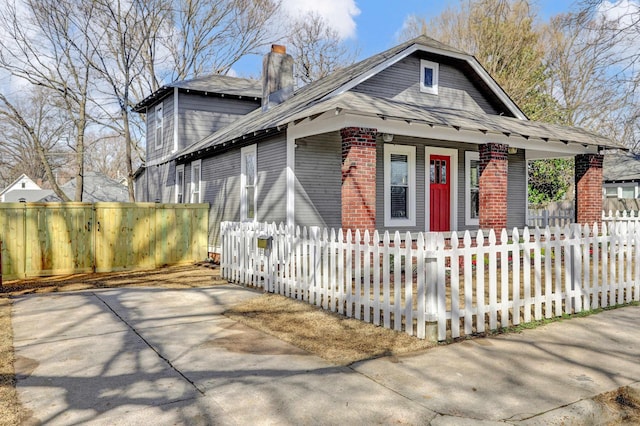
{"x":429,"y":73}
{"x":399,"y":185}
{"x":158,"y":119}
{"x":180,"y":183}
{"x":248,"y":183}
{"x":471,"y":188}
{"x":196,"y":181}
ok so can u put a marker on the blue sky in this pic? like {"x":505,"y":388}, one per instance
{"x":373,"y":24}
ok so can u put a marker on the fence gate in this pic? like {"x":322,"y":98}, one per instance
{"x":41,"y":239}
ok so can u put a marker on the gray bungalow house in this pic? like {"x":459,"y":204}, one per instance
{"x":417,"y":138}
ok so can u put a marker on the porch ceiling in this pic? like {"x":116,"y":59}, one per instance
{"x":547,"y":139}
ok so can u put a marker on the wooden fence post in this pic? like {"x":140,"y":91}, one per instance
{"x":431,"y":266}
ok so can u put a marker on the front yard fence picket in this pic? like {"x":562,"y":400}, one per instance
{"x":455,"y":286}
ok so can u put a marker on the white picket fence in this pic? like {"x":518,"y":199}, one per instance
{"x":434,"y":287}
{"x":624,"y":216}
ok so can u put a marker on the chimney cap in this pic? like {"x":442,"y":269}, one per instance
{"x":278,"y":48}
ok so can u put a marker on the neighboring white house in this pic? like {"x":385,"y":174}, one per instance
{"x":23,"y":189}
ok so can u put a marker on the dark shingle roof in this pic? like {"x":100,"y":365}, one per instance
{"x":621,"y":167}
{"x":210,"y":84}
{"x":308,"y":95}
{"x":315,"y":99}
{"x":96,"y":187}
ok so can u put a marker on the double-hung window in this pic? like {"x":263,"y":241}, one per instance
{"x":399,"y":185}
{"x":196,"y":181}
{"x":472,"y":187}
{"x":159,"y":123}
{"x":429,"y":73}
{"x":248,"y":181}
{"x":180,"y":183}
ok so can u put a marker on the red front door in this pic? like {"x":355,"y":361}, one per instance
{"x":440,"y":193}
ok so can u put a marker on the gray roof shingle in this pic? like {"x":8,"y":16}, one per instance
{"x":621,"y":167}
{"x":313,"y":99}
{"x":210,"y":84}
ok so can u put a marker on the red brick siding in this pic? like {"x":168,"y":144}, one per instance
{"x":493,"y":186}
{"x":588,"y":177}
{"x":358,"y":178}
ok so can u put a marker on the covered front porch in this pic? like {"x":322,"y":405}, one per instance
{"x":412,"y":169}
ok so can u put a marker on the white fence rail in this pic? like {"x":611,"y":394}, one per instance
{"x":559,"y":217}
{"x":624,"y":216}
{"x":436,"y":288}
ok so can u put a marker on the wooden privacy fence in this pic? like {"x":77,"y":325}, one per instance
{"x":434,"y":287}
{"x":63,"y":238}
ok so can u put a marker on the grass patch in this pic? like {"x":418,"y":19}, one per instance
{"x":333,"y":337}
{"x":535,"y":324}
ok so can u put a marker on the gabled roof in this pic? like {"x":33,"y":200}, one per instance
{"x":621,"y":167}
{"x":96,"y":187}
{"x":10,"y":186}
{"x":207,"y":85}
{"x":332,"y":93}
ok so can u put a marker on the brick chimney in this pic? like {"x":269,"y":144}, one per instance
{"x":277,"y":77}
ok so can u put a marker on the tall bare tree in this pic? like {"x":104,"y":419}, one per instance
{"x":317,"y":48}
{"x":34,"y":133}
{"x":45,"y":44}
{"x":118,"y":38}
{"x":618,"y":26}
{"x":579,"y":57}
{"x":210,"y":36}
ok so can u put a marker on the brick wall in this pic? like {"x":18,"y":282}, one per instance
{"x":493,"y":186}
{"x":358,"y":178}
{"x":588,"y":177}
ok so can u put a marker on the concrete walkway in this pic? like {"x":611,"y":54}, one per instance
{"x":140,"y":356}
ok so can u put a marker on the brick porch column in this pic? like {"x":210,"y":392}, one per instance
{"x":358,"y":178}
{"x":588,"y":177}
{"x":493,"y":186}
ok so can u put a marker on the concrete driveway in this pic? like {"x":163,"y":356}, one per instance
{"x":140,"y":356}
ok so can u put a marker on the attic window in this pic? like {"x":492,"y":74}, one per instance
{"x":429,"y":77}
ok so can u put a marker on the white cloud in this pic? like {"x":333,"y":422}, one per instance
{"x":625,"y":12}
{"x":339,"y":14}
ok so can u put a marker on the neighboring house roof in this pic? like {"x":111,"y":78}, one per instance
{"x":621,"y":167}
{"x":13,"y":185}
{"x":210,"y":84}
{"x":96,"y":187}
{"x":15,"y":192}
{"x":28,"y":195}
{"x":332,"y":93}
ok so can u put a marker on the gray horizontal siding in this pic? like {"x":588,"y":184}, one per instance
{"x":272,"y":181}
{"x":199,"y":116}
{"x":221,"y":185}
{"x":517,"y":190}
{"x":160,"y":181}
{"x":154,"y":154}
{"x":318,"y":181}
{"x":401,"y":82}
{"x":221,"y":188}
